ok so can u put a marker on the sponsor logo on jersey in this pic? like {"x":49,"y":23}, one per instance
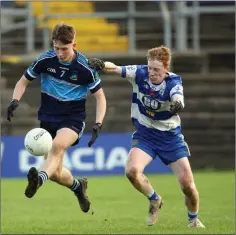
{"x":64,"y":68}
{"x":150,"y":103}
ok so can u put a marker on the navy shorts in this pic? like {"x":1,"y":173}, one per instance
{"x":53,"y":127}
{"x":168,"y":154}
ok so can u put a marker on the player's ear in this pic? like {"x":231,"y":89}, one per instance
{"x":74,"y":45}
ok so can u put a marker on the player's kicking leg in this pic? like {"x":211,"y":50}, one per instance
{"x":79,"y":186}
{"x":137,"y":161}
{"x":183,"y":171}
{"x":64,"y":139}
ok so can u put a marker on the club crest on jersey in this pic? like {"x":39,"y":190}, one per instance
{"x":74,"y":77}
{"x":152,"y":92}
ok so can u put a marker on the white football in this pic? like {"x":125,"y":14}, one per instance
{"x":38,"y":141}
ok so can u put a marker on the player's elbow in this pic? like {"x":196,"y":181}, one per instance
{"x":99,"y":95}
{"x":23,"y":82}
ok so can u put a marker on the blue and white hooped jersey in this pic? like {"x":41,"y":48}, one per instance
{"x":64,"y":86}
{"x":151,"y":103}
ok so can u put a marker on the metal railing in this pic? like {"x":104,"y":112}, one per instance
{"x":180,"y":15}
{"x":28,"y":24}
{"x":131,"y":14}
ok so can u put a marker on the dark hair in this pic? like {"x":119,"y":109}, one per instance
{"x":64,"y":33}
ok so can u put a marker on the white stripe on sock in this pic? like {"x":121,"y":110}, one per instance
{"x":75,"y":185}
{"x":43,"y":176}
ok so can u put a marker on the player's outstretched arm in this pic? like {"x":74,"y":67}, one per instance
{"x":107,"y":66}
{"x":18,"y":92}
{"x":111,"y":67}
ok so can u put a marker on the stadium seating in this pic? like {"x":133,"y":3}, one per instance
{"x":93,"y":34}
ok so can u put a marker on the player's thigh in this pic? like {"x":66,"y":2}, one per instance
{"x":75,"y":126}
{"x":182,"y":169}
{"x":137,"y":159}
{"x":65,"y":137}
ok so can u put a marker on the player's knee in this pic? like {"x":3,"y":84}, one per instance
{"x":132,"y":173}
{"x":57,"y":148}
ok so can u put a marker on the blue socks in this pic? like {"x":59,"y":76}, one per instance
{"x":153,"y":196}
{"x":192,"y":215}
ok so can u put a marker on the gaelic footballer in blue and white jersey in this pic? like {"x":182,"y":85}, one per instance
{"x":151,"y":103}
{"x":151,"y":108}
{"x":157,"y":100}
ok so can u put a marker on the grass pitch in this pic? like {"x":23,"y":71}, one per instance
{"x":118,"y":207}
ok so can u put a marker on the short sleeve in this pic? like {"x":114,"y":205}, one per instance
{"x":96,"y":84}
{"x":35,"y":69}
{"x":131,"y":72}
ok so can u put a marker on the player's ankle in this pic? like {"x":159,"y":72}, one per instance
{"x":43,"y":176}
{"x":75,"y":187}
{"x":153,"y":196}
{"x":192,"y":215}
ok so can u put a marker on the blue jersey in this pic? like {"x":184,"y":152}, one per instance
{"x":64,"y":86}
{"x":150,"y":110}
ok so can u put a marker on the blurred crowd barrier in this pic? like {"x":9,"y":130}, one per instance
{"x":107,"y":157}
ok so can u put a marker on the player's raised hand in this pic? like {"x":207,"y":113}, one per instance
{"x":96,"y":129}
{"x":13,"y":105}
{"x":111,"y":67}
{"x":176,"y":106}
{"x":96,"y":64}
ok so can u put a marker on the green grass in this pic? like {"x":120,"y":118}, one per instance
{"x":118,"y":208}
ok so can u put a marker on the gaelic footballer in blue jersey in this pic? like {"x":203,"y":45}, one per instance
{"x":65,"y":79}
{"x":157,"y":99}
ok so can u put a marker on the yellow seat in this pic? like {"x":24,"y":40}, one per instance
{"x":101,"y":48}
{"x":21,"y":3}
{"x":62,"y":7}
{"x":102,"y":39}
{"x":95,"y":30}
{"x":74,"y":22}
{"x":92,"y":34}
{"x":89,"y":29}
{"x":101,"y":43}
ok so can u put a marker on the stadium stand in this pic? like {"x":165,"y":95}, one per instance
{"x":93,"y":34}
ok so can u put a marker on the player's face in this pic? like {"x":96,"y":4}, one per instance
{"x":156,"y":71}
{"x":65,"y":52}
